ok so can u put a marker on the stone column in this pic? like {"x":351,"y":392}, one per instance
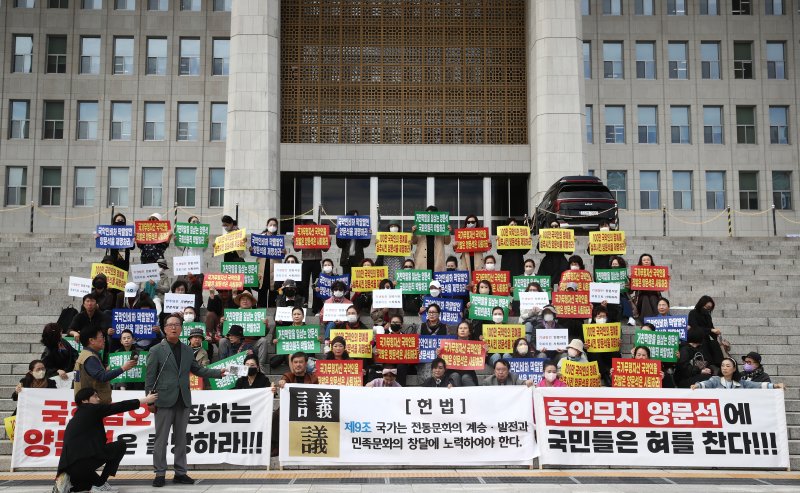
{"x":252,"y":154}
{"x":555,"y":92}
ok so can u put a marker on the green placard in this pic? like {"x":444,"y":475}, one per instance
{"x":293,"y":338}
{"x":481,"y":305}
{"x":520,"y":283}
{"x":192,"y":235}
{"x":74,"y":343}
{"x":251,"y":319}
{"x":432,"y":223}
{"x":662,"y":345}
{"x":229,"y":381}
{"x":619,"y":276}
{"x":249,"y":269}
{"x":413,"y":281}
{"x":135,"y":374}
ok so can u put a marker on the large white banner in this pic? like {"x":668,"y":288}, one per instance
{"x":328,"y":425}
{"x":658,"y":427}
{"x":231,"y":426}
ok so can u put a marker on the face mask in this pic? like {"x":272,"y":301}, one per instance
{"x":252,"y":370}
{"x":435,"y":293}
{"x":471,"y":225}
{"x":327,"y":269}
{"x":550,"y":377}
{"x":408,"y":267}
{"x":224,"y":230}
{"x":748,"y":367}
{"x":394,"y":229}
{"x":99,"y":284}
{"x":272,"y":229}
{"x":490,"y":266}
{"x":119,"y":223}
{"x":352,"y":319}
{"x":600,"y":320}
{"x":450,"y":269}
{"x":572,"y":353}
{"x":529,"y":271}
{"x":38,"y":374}
{"x":604,"y":229}
{"x":338,"y":294}
{"x":498,"y":319}
{"x":188,"y":317}
{"x":574,"y":267}
{"x":289,"y":292}
{"x":548,"y":317}
{"x":396,"y":327}
{"x":522,"y":349}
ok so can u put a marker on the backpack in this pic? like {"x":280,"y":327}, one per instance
{"x":67,"y":314}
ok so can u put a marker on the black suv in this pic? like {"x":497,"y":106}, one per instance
{"x":577,"y":202}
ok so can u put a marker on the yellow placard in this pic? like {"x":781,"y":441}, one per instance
{"x":366,"y":279}
{"x":358,"y":342}
{"x":607,"y":243}
{"x":500,"y":337}
{"x":556,"y":240}
{"x":576,"y":374}
{"x":602,"y":338}
{"x":514,"y":237}
{"x":235,"y":240}
{"x":393,"y":244}
{"x":115,"y":276}
{"x":11,"y":424}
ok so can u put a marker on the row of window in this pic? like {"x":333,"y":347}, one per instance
{"x":680,"y":127}
{"x":88,"y":117}
{"x":678,"y":60}
{"x":716,"y":194}
{"x":684,"y":7}
{"x":119,"y":179}
{"x":123,"y":58}
{"x":152,"y":5}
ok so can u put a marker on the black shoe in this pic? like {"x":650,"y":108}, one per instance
{"x":182,"y":479}
{"x":159,"y":481}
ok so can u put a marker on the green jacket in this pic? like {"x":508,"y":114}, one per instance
{"x":174,"y":381}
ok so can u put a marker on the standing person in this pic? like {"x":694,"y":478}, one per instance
{"x":352,"y":250}
{"x":553,"y":264}
{"x":120,"y":256}
{"x":470,"y":260}
{"x":168,"y":366}
{"x":312,"y":265}
{"x":513,"y":259}
{"x":85,"y":448}
{"x":151,"y":252}
{"x":90,"y":316}
{"x":700,"y":318}
{"x":647,"y":301}
{"x":392,"y":262}
{"x":266,"y":270}
{"x":90,"y":371}
{"x":429,"y":254}
{"x":600,"y":261}
{"x":229,"y":225}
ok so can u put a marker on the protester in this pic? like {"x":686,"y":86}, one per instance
{"x":338,"y":350}
{"x":394,"y":263}
{"x":58,"y":356}
{"x":433,"y":325}
{"x":352,"y":251}
{"x":362,"y":300}
{"x":575,"y":352}
{"x":513,"y":259}
{"x":35,"y":378}
{"x":218,"y":302}
{"x":389,"y":379}
{"x":297,"y":320}
{"x":601,"y":261}
{"x":120,"y":257}
{"x":193,"y":251}
{"x":256,"y":345}
{"x":311,"y":268}
{"x":532,"y":317}
{"x":700,"y":318}
{"x":411,"y":302}
{"x":498,"y":316}
{"x":439,"y":377}
{"x":626,"y":305}
{"x":91,"y":372}
{"x":254,"y":379}
{"x":266,"y":269}
{"x":694,"y":363}
{"x":663,"y":308}
{"x":646,"y":301}
{"x":234,"y":343}
{"x":430,"y":249}
{"x":521,"y":349}
{"x":151,"y":252}
{"x":643,"y":352}
{"x":289,"y":296}
{"x":753,"y":370}
{"x":89,"y":316}
{"x":550,"y":376}
{"x":105,"y":298}
{"x":327,"y":269}
{"x":553,"y":264}
{"x":470,"y":261}
{"x":196,"y":337}
{"x":604,"y":359}
{"x":126,"y":343}
{"x":463,"y":378}
{"x":298,"y":373}
{"x":730,"y":378}
{"x":230,"y":225}
{"x":503,"y":376}
{"x":338,"y":295}
{"x":382,"y":316}
{"x":134,"y":298}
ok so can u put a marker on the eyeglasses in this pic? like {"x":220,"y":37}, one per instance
{"x":172,"y":325}
{"x":434,"y":312}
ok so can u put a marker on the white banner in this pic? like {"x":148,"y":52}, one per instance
{"x":327,"y":425}
{"x":174,"y":302}
{"x":79,"y":286}
{"x":283,"y":272}
{"x":284,"y":314}
{"x":387,"y":298}
{"x":528,"y":300}
{"x":143,"y":273}
{"x":335,"y":312}
{"x":552,"y":339}
{"x":604,"y":291}
{"x":662,"y":427}
{"x":230,"y":426}
{"x":187,"y":264}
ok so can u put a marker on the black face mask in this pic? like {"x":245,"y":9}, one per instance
{"x":252,"y":371}
{"x":289,"y":292}
{"x":99,"y":284}
{"x":396,"y":327}
{"x":451,"y":269}
{"x":120,"y":223}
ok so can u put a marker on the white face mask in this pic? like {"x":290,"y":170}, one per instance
{"x":529,"y":271}
{"x":188,"y":317}
{"x":272,"y":229}
{"x":394,"y":229}
{"x":572,"y":353}
{"x":435,"y":293}
{"x":471,"y":225}
{"x":604,"y":229}
{"x":600,"y":320}
{"x":550,"y":377}
{"x":352,"y":319}
{"x":327,"y":269}
{"x":338,"y":294}
{"x":574,"y":267}
{"x":522,"y":349}
{"x":224,"y":230}
{"x":38,"y":374}
{"x":548,"y":317}
{"x":490,"y":266}
{"x":498,"y":319}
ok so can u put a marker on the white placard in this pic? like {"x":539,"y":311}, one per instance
{"x":238,"y":370}
{"x":335,"y":312}
{"x":64,"y":383}
{"x":143,"y":273}
{"x":79,"y":286}
{"x":174,"y":302}
{"x":182,"y":266}
{"x":528,"y":300}
{"x":604,"y":291}
{"x":387,"y":298}
{"x":552,"y":339}
{"x":284,"y":314}
{"x":282,"y":272}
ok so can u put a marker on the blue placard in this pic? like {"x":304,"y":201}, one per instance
{"x":267,"y":246}
{"x":451,"y":309}
{"x":527,"y":368}
{"x":454,"y":282}
{"x":324,"y":283}
{"x":673,"y":323}
{"x":140,"y":322}
{"x":428,"y":346}
{"x":114,"y":237}
{"x":353,"y":227}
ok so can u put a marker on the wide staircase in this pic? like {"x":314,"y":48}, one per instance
{"x":755,"y":283}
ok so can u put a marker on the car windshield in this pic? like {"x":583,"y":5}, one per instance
{"x":585,"y":192}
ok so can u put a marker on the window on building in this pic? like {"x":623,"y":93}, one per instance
{"x":774,"y":7}
{"x":185,"y":186}
{"x":24,"y":4}
{"x":712,"y":125}
{"x":649,"y":190}
{"x":741,"y":7}
{"x":87,"y":120}
{"x":56,"y":54}
{"x":586,"y":9}
{"x":190,"y":5}
{"x":91,"y":4}
{"x":589,"y":124}
{"x":678,"y":60}
{"x":20,"y":119}
{"x":680,"y":127}
{"x":222,"y":5}
{"x":158,"y":5}
{"x":676,"y":7}
{"x":156,"y":56}
{"x":776,"y":60}
{"x":613,"y":66}
{"x":154,"y":121}
{"x":615,"y":124}
{"x":648,"y":124}
{"x":121,"y":120}
{"x":190,"y":56}
{"x":612,"y":7}
{"x":187,"y":121}
{"x":124,"y":4}
{"x":743,"y":60}
{"x":748,"y":190}
{"x":618,"y":185}
{"x":23,"y":54}
{"x":587,"y":59}
{"x":782,"y":189}
{"x":715,"y":190}
{"x":461,"y":196}
{"x":53,"y":120}
{"x":507,"y":199}
{"x":709,"y":7}
{"x":151,"y":187}
{"x":16,"y":185}
{"x":645,"y":60}
{"x":58,"y":4}
{"x":90,"y":55}
{"x":746,"y":124}
{"x":221,"y":56}
{"x":709,"y":54}
{"x":219,"y":121}
{"x":216,"y":187}
{"x":123,"y":55}
{"x":84,"y":187}
{"x":50,"y":192}
{"x":682,"y":190}
{"x":778,"y":124}
{"x":340,"y":195}
{"x":118,"y":187}
{"x":644,"y":7}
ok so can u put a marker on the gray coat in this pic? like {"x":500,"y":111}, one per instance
{"x":174,"y":381}
{"x":512,"y":379}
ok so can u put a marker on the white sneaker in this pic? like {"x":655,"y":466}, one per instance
{"x":105,"y":488}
